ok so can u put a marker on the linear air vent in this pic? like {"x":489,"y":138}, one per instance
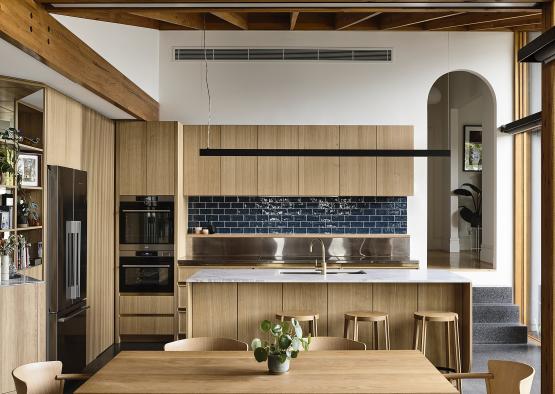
{"x":284,"y":54}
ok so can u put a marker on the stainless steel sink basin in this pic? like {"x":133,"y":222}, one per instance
{"x":329,"y":272}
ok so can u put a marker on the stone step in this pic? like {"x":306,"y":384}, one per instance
{"x":499,"y":333}
{"x":495,"y":313}
{"x":492,"y":295}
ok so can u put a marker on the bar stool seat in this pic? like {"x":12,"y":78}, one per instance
{"x":373,"y":317}
{"x":421,"y":320}
{"x":302,"y":316}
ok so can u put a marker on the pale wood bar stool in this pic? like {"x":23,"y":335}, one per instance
{"x":374,"y":317}
{"x":309,"y":316}
{"x":421,"y":320}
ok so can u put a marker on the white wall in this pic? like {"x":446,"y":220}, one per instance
{"x":132,"y":50}
{"x":352,"y":93}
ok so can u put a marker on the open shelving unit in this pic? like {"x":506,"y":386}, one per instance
{"x":27,"y":116}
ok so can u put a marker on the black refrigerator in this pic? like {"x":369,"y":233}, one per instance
{"x":67,"y":267}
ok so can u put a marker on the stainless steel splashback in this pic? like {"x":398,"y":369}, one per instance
{"x":294,"y":247}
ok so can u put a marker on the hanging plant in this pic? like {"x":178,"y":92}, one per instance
{"x":471,"y":216}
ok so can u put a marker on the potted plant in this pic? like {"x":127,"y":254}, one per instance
{"x":7,"y":246}
{"x":27,"y":212}
{"x":472,"y":216}
{"x":287,"y":342}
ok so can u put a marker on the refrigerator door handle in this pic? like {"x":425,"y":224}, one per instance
{"x":64,"y":319}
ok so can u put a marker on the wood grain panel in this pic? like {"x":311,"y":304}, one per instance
{"x":395,"y":175}
{"x":19,"y":331}
{"x":201,"y":174}
{"x":239,"y":174}
{"x":146,"y":305}
{"x":319,"y":176}
{"x":310,"y":297}
{"x":357,"y":175}
{"x":278,"y":175}
{"x":258,"y":302}
{"x":214,"y":301}
{"x":132,"y":165}
{"x":438,"y":297}
{"x":146,"y":325}
{"x":98,"y":153}
{"x":399,"y":300}
{"x":64,"y":126}
{"x":343,"y":298}
{"x":160,"y":158}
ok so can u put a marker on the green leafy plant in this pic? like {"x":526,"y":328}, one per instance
{"x":285,"y":340}
{"x":474,"y":217}
{"x":27,"y":210}
{"x":8,"y":245}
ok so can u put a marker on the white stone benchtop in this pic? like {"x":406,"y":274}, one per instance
{"x":369,"y":276}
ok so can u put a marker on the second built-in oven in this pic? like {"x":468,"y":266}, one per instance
{"x":146,"y":272}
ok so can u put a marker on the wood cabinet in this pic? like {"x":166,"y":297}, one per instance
{"x":146,"y":325}
{"x":318,"y":176}
{"x":161,"y":160}
{"x":146,"y":305}
{"x":357,"y":174}
{"x":278,"y":175}
{"x":239,"y":174}
{"x":395,"y":175}
{"x":23,"y":329}
{"x":146,"y":315}
{"x":147,"y":157}
{"x":201,"y":174}
{"x":131,"y":140}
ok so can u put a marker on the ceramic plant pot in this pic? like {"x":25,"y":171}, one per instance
{"x":5,"y":270}
{"x":276,"y":367}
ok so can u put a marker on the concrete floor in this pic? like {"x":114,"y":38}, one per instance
{"x":528,"y":354}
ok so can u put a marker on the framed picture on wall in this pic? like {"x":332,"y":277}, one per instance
{"x":472,"y":148}
{"x":28,"y":168}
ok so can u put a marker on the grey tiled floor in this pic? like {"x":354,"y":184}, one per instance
{"x":529,"y":354}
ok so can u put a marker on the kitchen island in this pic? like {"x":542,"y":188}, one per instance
{"x":232,"y":302}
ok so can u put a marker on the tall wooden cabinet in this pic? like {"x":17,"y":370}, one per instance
{"x":318,"y":176}
{"x":395,"y":175}
{"x":146,"y":157}
{"x":357,"y":174}
{"x":239,"y":176}
{"x":278,"y":175}
{"x":201,"y":174}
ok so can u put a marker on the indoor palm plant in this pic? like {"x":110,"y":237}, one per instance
{"x":285,"y":340}
{"x":471,"y":215}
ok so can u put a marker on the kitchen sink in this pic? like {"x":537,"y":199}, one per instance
{"x":329,"y":272}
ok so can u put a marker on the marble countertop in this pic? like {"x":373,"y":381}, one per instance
{"x":20,"y":280}
{"x":309,"y":276}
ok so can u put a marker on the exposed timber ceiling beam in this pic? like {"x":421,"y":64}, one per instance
{"x":294,"y":18}
{"x":185,"y":19}
{"x":473,"y":19}
{"x":346,"y":20}
{"x":29,"y":27}
{"x":234,"y":18}
{"x":397,"y":21}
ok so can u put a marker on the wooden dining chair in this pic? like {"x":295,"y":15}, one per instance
{"x":334,"y":343}
{"x":504,"y":377}
{"x":203,"y":344}
{"x":42,"y":378}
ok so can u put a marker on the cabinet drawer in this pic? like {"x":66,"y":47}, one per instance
{"x":146,"y":325}
{"x":182,"y":327}
{"x":146,"y":305}
{"x":181,"y":296}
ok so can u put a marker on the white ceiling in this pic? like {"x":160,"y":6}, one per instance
{"x":21,"y":65}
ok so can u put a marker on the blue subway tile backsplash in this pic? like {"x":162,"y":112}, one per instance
{"x":300,"y":215}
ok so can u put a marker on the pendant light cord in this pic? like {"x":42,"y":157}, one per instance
{"x":206,"y":81}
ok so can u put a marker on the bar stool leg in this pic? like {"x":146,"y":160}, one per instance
{"x":416,"y":332}
{"x":355,"y":330}
{"x":376,"y":329}
{"x":386,"y":327}
{"x":315,"y":326}
{"x":346,"y":328}
{"x":424,"y":329}
{"x":448,"y":345}
{"x":457,"y":350}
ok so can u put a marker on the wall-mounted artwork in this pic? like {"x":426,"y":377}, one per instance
{"x":28,"y":168}
{"x":472,"y":148}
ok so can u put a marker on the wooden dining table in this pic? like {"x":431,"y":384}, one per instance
{"x":371,"y":371}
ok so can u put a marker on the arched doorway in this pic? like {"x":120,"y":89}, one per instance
{"x":461,"y":225}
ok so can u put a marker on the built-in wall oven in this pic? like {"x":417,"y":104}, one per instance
{"x":146,"y":223}
{"x":146,"y":272}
